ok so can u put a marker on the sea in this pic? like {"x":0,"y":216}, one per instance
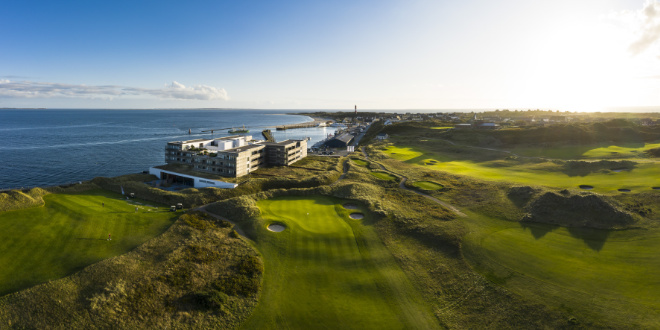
{"x":49,"y":147}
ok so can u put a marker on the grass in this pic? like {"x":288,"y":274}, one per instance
{"x":359,"y":162}
{"x":590,"y":151}
{"x":70,"y":232}
{"x":596,"y":274}
{"x":383,"y":176}
{"x":442,"y":127}
{"x":328,"y":270}
{"x":196,"y":274}
{"x":427,"y":185}
{"x":644,"y":176}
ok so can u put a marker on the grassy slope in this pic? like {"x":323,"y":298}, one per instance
{"x":643,"y":177}
{"x":162,"y":284}
{"x":326,"y":269}
{"x":610,"y":276}
{"x":599,"y":278}
{"x":70,"y":232}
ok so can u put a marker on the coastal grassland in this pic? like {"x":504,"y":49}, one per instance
{"x":643,"y":176}
{"x":424,"y":238}
{"x":583,"y":277}
{"x":197,"y":274}
{"x":598,"y":277}
{"x":17,"y":199}
{"x":327,"y":269}
{"x":70,"y":232}
{"x":603,"y":150}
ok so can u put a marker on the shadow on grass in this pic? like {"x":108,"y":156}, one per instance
{"x":538,"y":230}
{"x":594,"y":238}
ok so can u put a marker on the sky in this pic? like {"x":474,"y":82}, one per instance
{"x":573,"y":55}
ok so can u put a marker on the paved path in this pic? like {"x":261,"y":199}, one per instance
{"x":402,"y":185}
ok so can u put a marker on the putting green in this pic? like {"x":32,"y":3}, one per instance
{"x":599,"y":273}
{"x":359,"y":162}
{"x":326,"y":270}
{"x":644,"y":176}
{"x":69,"y":233}
{"x":427,"y":185}
{"x":384,"y":176}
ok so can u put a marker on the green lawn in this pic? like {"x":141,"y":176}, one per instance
{"x":359,"y":162}
{"x":69,"y":233}
{"x":643,"y":177}
{"x":610,"y":276}
{"x":442,"y":127}
{"x":427,"y":185}
{"x":384,"y":176}
{"x":601,"y":151}
{"x":326,"y":270}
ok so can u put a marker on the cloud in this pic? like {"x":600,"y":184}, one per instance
{"x":31,"y":89}
{"x":649,"y":27}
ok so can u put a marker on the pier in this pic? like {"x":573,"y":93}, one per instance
{"x":314,"y":123}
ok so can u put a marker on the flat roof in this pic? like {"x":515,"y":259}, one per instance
{"x":189,"y":170}
{"x":281,"y":143}
{"x":243,"y":148}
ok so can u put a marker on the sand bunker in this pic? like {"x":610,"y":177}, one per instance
{"x":350,"y":206}
{"x":586,"y":187}
{"x":276,"y":227}
{"x":624,"y":190}
{"x":356,"y":216}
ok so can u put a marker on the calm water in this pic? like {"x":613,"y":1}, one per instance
{"x":51,"y":147}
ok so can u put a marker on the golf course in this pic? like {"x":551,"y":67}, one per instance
{"x":327,"y":269}
{"x":70,"y":232}
{"x":644,"y":176}
{"x":600,"y":273}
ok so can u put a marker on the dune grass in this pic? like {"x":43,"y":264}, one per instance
{"x":644,"y":176}
{"x":327,"y":270}
{"x":70,"y":232}
{"x":608,"y":276}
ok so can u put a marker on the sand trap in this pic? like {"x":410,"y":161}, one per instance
{"x":276,"y":227}
{"x":586,"y":187}
{"x":624,"y":190}
{"x":350,"y":206}
{"x":356,"y":216}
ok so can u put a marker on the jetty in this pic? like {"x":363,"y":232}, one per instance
{"x":315,"y":123}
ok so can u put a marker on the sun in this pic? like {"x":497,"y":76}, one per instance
{"x":579,"y":68}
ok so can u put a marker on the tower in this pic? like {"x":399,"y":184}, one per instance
{"x":356,"y":109}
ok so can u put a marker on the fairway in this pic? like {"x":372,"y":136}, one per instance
{"x":643,"y":177}
{"x":600,"y":273}
{"x":70,"y":232}
{"x":326,"y":270}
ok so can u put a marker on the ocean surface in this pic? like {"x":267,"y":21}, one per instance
{"x":50,"y":147}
